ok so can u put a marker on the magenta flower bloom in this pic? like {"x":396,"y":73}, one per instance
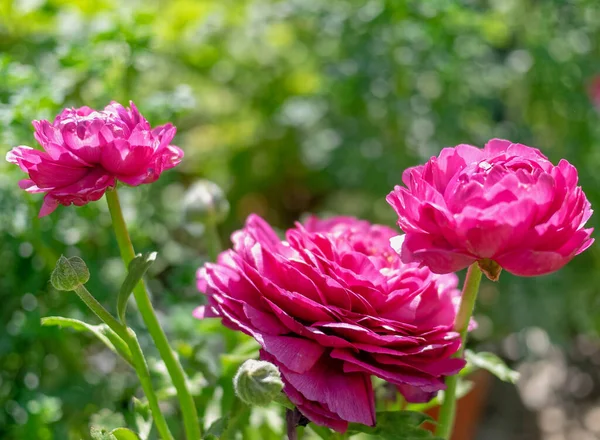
{"x":87,"y":151}
{"x":506,"y":203}
{"x":331,"y":306}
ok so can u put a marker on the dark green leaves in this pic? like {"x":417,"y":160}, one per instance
{"x":137,"y":268}
{"x":493,"y":364}
{"x":405,"y":425}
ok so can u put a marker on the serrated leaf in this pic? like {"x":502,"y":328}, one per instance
{"x":405,"y":425}
{"x":216,"y":430}
{"x":124,"y":434}
{"x":101,"y":331}
{"x":136,"y":270}
{"x":492,"y":363}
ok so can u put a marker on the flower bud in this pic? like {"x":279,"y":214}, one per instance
{"x":69,"y":273}
{"x":257,"y":382}
{"x":204,"y":202}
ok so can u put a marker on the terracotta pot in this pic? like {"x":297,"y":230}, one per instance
{"x":469,"y":409}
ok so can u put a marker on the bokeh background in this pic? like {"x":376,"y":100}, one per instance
{"x":291,"y":106}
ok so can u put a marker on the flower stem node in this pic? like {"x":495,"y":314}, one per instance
{"x":257,"y":382}
{"x":69,"y":273}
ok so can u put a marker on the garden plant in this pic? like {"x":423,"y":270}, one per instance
{"x":320,"y":219}
{"x":356,"y":328}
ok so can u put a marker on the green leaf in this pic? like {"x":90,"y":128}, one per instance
{"x":101,"y":434}
{"x":463,"y":387}
{"x":321,"y":431}
{"x":216,"y":430}
{"x":405,"y":425}
{"x":143,"y":418}
{"x":101,"y":331}
{"x":124,"y":434}
{"x":492,"y":363}
{"x":136,"y":270}
{"x":115,"y":434}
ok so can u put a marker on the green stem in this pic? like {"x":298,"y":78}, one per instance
{"x":186,"y":401}
{"x":461,"y":325}
{"x":235,"y":414}
{"x":141,"y":367}
{"x":290,"y":423}
{"x":138,"y":362}
{"x":101,"y":312}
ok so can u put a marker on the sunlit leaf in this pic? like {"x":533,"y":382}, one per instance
{"x":124,"y":434}
{"x":492,"y":363}
{"x":101,"y":331}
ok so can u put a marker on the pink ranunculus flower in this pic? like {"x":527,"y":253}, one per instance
{"x":87,"y":151}
{"x":331,"y":306}
{"x":505,"y":204}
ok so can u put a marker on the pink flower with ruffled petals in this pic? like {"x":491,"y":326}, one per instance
{"x":87,"y":151}
{"x":505,"y":204}
{"x":331,"y":306}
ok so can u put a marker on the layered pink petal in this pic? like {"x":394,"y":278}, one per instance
{"x":506,"y":202}
{"x":331,"y":306}
{"x":82,"y":145}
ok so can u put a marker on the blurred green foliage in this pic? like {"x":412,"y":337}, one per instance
{"x":291,"y":106}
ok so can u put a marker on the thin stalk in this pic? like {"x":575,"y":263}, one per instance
{"x":101,"y":312}
{"x":141,"y":367}
{"x":461,"y":325}
{"x":212,"y":240}
{"x":138,"y":362}
{"x":186,"y":401}
{"x":290,"y":421}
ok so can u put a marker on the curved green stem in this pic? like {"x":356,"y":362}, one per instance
{"x":461,"y":325}
{"x":101,"y":312}
{"x":141,"y":367}
{"x":138,"y":362}
{"x":186,"y":401}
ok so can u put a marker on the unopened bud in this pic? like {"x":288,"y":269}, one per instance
{"x":204,"y":202}
{"x":257,"y":382}
{"x":69,"y":273}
